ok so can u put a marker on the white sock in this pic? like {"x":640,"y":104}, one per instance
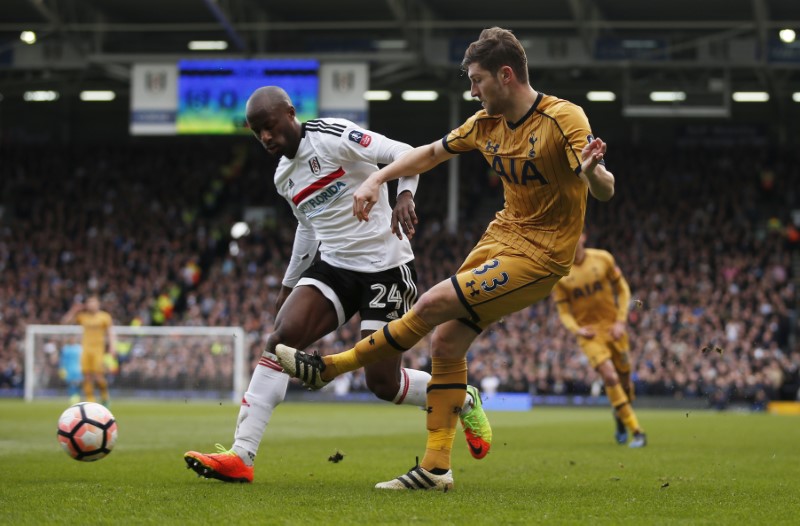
{"x":413,"y":387}
{"x":267,"y":389}
{"x":468,"y":403}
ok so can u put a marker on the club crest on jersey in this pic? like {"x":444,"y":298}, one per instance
{"x":360,"y":137}
{"x":532,"y":140}
{"x":314,"y":164}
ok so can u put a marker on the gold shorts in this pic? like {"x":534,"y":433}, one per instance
{"x":496,"y":280}
{"x":92,"y":361}
{"x":603,"y":347}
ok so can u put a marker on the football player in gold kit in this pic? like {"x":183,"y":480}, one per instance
{"x":592,"y":303}
{"x":543,"y":150}
{"x":98,"y":335}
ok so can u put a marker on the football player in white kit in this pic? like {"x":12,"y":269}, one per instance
{"x":364,"y":267}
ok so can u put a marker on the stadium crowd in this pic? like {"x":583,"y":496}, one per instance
{"x":705,"y":242}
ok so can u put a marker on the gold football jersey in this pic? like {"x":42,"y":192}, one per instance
{"x":538,"y":159}
{"x":94,"y":330}
{"x":589,"y":289}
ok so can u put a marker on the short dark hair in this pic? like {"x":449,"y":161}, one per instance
{"x":495,"y":48}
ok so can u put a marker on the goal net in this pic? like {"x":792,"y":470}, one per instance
{"x":153,"y":362}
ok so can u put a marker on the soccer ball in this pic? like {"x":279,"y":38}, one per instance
{"x":87,"y":431}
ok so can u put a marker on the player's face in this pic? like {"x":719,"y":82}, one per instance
{"x":275,"y":131}
{"x":487,"y":88}
{"x":93,"y":304}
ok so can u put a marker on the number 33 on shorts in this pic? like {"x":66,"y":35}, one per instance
{"x":494,"y":280}
{"x":491,"y":285}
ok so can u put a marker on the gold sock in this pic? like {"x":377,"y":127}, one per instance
{"x":619,"y":401}
{"x":631,"y":392}
{"x":395,"y":337}
{"x":88,"y":390}
{"x":102,"y":385}
{"x":446,"y":393}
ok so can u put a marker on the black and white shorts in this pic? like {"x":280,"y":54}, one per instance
{"x":379,"y":297}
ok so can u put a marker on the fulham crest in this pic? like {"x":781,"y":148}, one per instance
{"x":314,"y":164}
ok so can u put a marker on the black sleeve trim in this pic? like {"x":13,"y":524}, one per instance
{"x":447,"y":146}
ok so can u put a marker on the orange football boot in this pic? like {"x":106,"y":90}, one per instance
{"x":223,"y":465}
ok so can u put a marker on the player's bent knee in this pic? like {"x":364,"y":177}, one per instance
{"x":425,"y":305}
{"x":383,"y":388}
{"x":608,"y":373}
{"x":610,"y":378}
{"x":439,"y":304}
{"x":444,"y":347}
{"x":277,"y":337}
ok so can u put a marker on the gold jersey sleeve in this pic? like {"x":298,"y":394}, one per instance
{"x":538,"y":160}
{"x":95,"y":327}
{"x":589,"y":289}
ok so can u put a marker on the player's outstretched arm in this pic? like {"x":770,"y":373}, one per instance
{"x":600,"y":180}
{"x":417,"y":161}
{"x":70,"y":315}
{"x":304,"y":249}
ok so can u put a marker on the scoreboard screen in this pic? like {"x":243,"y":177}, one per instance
{"x":212,"y":93}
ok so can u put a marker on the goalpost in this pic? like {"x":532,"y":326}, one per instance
{"x":154,"y":362}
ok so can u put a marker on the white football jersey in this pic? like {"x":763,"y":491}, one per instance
{"x":334,"y":157}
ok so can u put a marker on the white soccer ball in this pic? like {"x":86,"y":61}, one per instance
{"x":87,"y":431}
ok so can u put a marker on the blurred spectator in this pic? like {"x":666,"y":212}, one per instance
{"x":703,"y":238}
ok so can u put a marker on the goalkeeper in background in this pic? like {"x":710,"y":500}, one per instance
{"x":69,"y":369}
{"x":592,"y":302}
{"x":98,"y":335}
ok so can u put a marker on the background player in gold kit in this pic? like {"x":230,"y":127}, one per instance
{"x":543,"y":150}
{"x":98,"y":335}
{"x":593,"y":304}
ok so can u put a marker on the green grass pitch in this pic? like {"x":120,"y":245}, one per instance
{"x":547,"y":466}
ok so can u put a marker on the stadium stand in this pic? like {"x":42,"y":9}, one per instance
{"x":701,"y":238}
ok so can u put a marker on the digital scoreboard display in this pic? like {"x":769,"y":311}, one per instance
{"x":212,"y":94}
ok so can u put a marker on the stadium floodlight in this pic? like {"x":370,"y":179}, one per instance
{"x":667,"y":96}
{"x":676,"y":110}
{"x":419,"y":96}
{"x":208,"y":45}
{"x":40,"y":96}
{"x":787,"y":36}
{"x":467,"y":95}
{"x":239,"y":229}
{"x":377,"y":95}
{"x":750,"y":96}
{"x":795,"y":96}
{"x":601,"y":96}
{"x":29,"y":37}
{"x":391,"y":45}
{"x":98,"y":95}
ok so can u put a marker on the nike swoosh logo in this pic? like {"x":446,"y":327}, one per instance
{"x":476,"y":450}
